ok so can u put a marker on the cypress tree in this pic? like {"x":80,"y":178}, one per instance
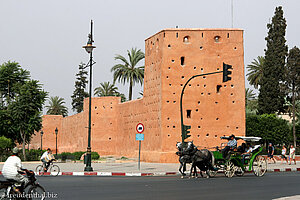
{"x":293,"y":82}
{"x":79,"y":93}
{"x":271,"y":97}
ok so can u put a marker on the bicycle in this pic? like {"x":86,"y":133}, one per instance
{"x":53,"y":169}
{"x":8,"y":189}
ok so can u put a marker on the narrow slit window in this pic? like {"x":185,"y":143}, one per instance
{"x":176,"y":35}
{"x":188,"y":113}
{"x":182,"y":60}
{"x":219,"y":88}
{"x":227,"y":35}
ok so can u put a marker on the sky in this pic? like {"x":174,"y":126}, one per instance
{"x":46,"y":37}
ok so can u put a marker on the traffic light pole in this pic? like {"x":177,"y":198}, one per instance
{"x":183,"y":127}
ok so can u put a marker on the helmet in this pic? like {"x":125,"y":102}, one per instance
{"x":15,"y":150}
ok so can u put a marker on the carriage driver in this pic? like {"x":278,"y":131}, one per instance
{"x":230,"y":146}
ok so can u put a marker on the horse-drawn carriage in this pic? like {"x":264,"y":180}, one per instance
{"x":237,"y":161}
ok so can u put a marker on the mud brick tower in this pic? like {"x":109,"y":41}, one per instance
{"x":172,"y":56}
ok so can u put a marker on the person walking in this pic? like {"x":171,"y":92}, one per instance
{"x":292,"y":154}
{"x":271,"y":150}
{"x":283,"y":155}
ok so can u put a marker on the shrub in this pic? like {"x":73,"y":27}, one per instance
{"x":95,"y":156}
{"x":78,"y":154}
{"x":65,"y":156}
{"x":32,"y":154}
{"x":269,"y":128}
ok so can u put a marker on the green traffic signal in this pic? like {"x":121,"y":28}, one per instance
{"x":226,"y":72}
{"x":185,"y":131}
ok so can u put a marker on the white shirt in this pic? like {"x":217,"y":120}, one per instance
{"x":45,"y":154}
{"x":283,"y":151}
{"x":11,"y":167}
{"x":249,"y":150}
{"x":292,"y":151}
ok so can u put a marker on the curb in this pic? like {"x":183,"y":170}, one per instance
{"x":144,"y":174}
{"x":112,"y":174}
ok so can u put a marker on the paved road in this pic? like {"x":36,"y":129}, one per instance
{"x":132,"y":167}
{"x":272,"y":185}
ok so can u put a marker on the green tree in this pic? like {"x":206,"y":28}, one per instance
{"x":271,"y":97}
{"x":108,"y":89}
{"x":79,"y":93}
{"x":251,"y":101}
{"x":56,"y":106}
{"x":269,"y":128}
{"x":26,"y":111}
{"x":127,"y":71}
{"x":293,"y":82}
{"x":5,"y":144}
{"x":249,"y":95}
{"x":11,"y":76}
{"x":255,"y":71}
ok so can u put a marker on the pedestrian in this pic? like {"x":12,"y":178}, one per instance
{"x":283,"y":154}
{"x":292,"y":154}
{"x":271,"y":150}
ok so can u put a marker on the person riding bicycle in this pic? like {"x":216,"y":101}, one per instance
{"x":13,"y":168}
{"x":231,"y":145}
{"x":47,"y":158}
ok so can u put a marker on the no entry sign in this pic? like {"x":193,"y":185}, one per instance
{"x":140,"y":128}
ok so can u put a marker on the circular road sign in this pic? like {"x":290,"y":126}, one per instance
{"x":140,"y":128}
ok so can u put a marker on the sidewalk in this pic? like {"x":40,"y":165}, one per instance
{"x":131,"y":168}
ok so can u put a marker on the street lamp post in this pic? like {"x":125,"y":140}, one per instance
{"x":89,"y":48}
{"x":42,"y":133}
{"x":56,"y":131}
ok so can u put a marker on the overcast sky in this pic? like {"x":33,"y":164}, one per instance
{"x":46,"y":37}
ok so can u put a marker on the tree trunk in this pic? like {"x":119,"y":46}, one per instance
{"x":23,"y":145}
{"x":130,"y":89}
{"x":294,"y":114}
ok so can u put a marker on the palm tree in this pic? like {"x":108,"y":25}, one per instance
{"x":56,"y":106}
{"x":249,"y":95}
{"x":255,"y":71}
{"x":106,"y":89}
{"x":251,"y":101}
{"x":127,"y":70}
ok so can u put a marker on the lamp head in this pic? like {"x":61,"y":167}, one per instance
{"x":56,"y":131}
{"x":89,"y":46}
{"x":42,"y":133}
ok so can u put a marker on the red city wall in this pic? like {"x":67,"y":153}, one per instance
{"x":172,"y":56}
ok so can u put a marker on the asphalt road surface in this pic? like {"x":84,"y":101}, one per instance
{"x":272,"y":185}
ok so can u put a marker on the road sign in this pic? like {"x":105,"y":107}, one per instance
{"x":139,"y":137}
{"x":140,"y":128}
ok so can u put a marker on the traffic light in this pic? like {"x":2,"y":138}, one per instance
{"x":226,"y":72}
{"x":185,"y":131}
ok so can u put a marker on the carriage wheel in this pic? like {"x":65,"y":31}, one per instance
{"x":212,"y":173}
{"x":259,"y":166}
{"x":229,"y":169}
{"x":239,"y":171}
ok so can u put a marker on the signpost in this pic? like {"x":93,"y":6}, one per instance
{"x":139,"y":136}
